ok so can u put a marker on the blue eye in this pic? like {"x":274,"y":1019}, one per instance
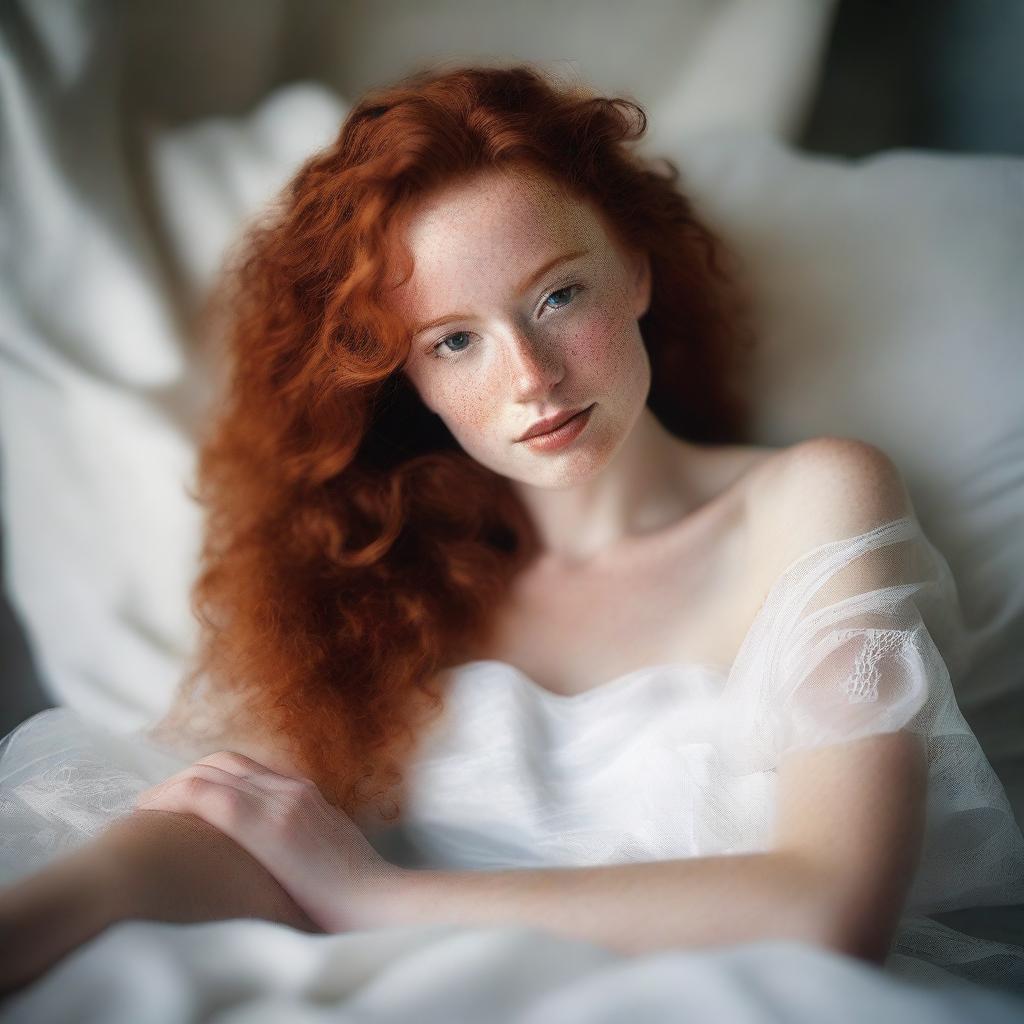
{"x":444,"y":341}
{"x":435,"y":350}
{"x":567,"y":288}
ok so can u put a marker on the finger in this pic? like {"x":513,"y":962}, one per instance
{"x":209,"y":773}
{"x":246,"y":768}
{"x":237,"y":765}
{"x":229,"y":809}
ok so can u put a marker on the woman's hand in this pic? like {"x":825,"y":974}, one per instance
{"x":148,"y":865}
{"x":315,"y":851}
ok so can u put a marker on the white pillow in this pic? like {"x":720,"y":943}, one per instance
{"x":889,"y":298}
{"x":101,"y":397}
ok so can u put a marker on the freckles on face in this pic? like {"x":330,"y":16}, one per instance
{"x":466,"y":404}
{"x":609,"y":366}
{"x":515,"y":357}
{"x":606,"y":349}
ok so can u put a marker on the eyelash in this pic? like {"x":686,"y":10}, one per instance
{"x":435,"y":349}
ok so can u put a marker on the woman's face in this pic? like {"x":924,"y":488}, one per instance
{"x":525,"y":334}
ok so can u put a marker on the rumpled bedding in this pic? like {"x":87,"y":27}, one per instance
{"x":256,"y":972}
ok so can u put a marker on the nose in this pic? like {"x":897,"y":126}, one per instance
{"x":533,"y":365}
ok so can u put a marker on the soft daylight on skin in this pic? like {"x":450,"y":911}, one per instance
{"x":570,"y":339}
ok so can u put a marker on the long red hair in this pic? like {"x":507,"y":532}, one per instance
{"x":352,"y":549}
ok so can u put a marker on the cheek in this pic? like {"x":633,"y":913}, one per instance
{"x":473,"y":412}
{"x":466,"y":406}
{"x":606,"y":349}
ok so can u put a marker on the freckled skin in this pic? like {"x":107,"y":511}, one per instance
{"x":516,"y":359}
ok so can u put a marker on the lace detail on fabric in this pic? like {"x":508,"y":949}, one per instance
{"x":862,"y":684}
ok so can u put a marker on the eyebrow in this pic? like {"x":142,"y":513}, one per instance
{"x":531,"y":280}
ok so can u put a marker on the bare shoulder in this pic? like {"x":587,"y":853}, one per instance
{"x":823,"y":489}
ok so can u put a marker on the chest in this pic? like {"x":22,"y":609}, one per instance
{"x":572,"y":630}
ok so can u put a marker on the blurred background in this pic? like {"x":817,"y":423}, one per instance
{"x":944,"y":75}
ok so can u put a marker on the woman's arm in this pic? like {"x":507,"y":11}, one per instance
{"x":848,"y":838}
{"x":148,"y":865}
{"x":631,"y":908}
{"x":48,"y":914}
{"x":180,"y":868}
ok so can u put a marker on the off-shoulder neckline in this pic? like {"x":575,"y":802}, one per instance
{"x":710,"y":669}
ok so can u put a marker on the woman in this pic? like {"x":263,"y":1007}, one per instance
{"x":483,"y":385}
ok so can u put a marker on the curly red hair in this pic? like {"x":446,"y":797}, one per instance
{"x":352,"y":549}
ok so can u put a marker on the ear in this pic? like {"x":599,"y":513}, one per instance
{"x":640,"y":278}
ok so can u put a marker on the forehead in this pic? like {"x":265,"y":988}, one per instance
{"x":500,"y":222}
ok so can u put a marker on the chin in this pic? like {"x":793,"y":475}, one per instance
{"x":552,"y":473}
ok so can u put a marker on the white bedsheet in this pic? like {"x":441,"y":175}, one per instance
{"x":256,"y":972}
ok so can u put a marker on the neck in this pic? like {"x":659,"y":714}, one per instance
{"x":648,"y":485}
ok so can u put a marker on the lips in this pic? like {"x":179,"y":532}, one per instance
{"x":545,"y":426}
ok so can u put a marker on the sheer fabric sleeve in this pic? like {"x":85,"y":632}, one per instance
{"x":864,"y":636}
{"x":853,"y":640}
{"x":64,"y":779}
{"x":857,"y":652}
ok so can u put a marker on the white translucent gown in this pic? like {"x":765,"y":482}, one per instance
{"x":856,"y":637}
